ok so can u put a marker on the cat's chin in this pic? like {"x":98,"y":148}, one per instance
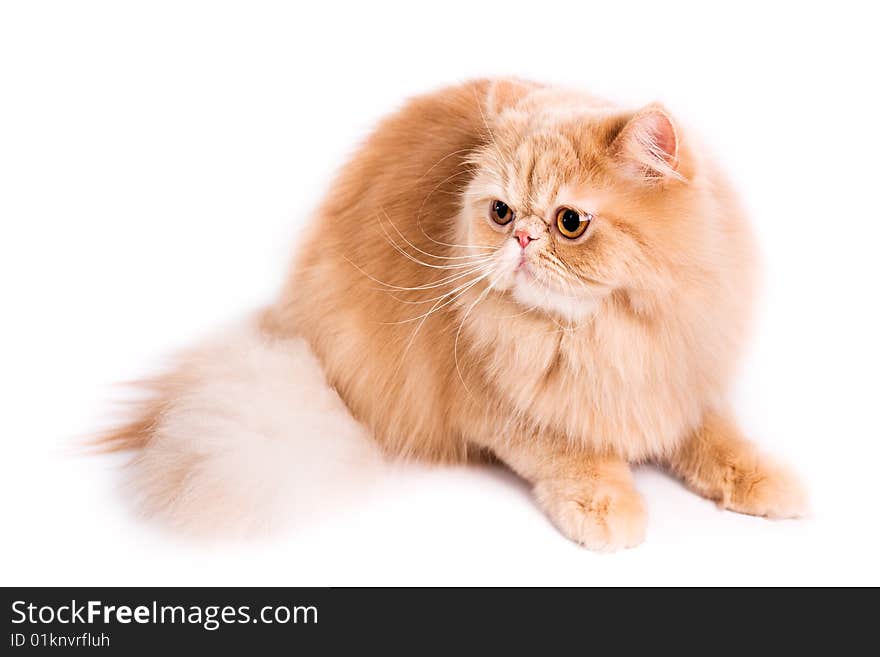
{"x":531,"y":293}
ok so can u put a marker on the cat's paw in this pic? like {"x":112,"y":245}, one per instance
{"x":602,"y":515}
{"x":768,"y":489}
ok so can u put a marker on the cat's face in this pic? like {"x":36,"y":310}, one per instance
{"x":572,"y":205}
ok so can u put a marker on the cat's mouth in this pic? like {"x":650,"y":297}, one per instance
{"x":530,"y":285}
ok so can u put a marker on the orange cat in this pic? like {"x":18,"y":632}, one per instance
{"x":503,"y":269}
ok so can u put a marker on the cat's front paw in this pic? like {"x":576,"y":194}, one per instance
{"x":603,"y":515}
{"x":766,"y":489}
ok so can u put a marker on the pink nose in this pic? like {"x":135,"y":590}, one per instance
{"x":523,"y":236}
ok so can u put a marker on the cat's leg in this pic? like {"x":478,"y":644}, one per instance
{"x":717,"y":462}
{"x":590,"y":498}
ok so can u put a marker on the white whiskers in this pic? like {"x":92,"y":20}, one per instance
{"x":480,"y":297}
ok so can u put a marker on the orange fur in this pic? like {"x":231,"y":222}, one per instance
{"x":615,"y":347}
{"x":718,"y":463}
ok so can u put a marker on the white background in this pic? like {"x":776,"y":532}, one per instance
{"x":158,"y":160}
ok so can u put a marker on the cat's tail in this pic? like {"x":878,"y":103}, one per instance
{"x":243,"y":434}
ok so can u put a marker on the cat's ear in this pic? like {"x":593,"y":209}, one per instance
{"x":648,"y":145}
{"x":504,"y":94}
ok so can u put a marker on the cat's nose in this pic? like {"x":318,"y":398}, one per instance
{"x":523,"y":236}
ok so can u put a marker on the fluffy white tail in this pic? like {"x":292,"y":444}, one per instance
{"x":242,"y":435}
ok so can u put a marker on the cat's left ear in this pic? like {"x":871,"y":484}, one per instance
{"x":648,"y":145}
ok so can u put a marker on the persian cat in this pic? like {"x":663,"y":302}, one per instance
{"x":503,"y":270}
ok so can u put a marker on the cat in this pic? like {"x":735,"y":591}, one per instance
{"x":504,"y":270}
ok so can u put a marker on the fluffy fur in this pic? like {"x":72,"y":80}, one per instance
{"x":243,"y":435}
{"x":451,"y":337}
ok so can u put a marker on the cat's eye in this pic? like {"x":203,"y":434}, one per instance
{"x":571,"y":223}
{"x":500,"y":212}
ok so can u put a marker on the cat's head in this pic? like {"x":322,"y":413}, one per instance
{"x":573,"y":200}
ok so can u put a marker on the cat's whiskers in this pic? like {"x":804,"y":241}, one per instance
{"x":448,"y":280}
{"x":482,"y":247}
{"x":434,"y":309}
{"x":475,"y":259}
{"x":472,"y":168}
{"x":480,"y":297}
{"x":452,"y":266}
{"x":402,"y":288}
{"x":432,"y":255}
{"x":438,"y":299}
{"x":443,"y":159}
